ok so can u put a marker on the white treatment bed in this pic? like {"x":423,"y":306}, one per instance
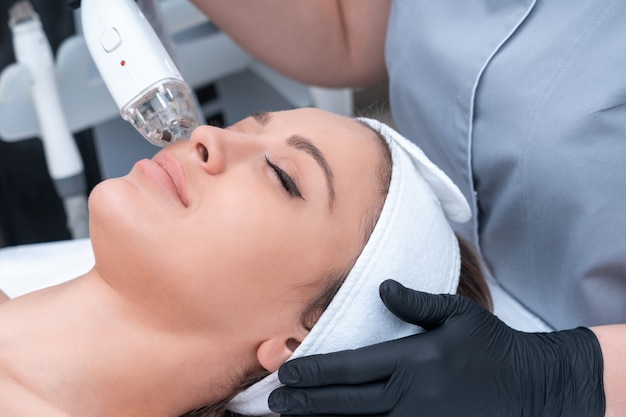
{"x":27,"y":268}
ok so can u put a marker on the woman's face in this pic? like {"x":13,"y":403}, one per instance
{"x":236,"y":228}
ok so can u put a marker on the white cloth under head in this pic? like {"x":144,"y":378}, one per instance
{"x":412,"y":243}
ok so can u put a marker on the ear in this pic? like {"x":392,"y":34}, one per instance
{"x":272,"y":353}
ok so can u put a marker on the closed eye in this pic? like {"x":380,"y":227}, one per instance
{"x":285,"y":179}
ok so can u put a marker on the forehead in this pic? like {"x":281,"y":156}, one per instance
{"x":335,"y":135}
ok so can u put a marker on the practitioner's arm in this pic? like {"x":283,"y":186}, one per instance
{"x":3,"y":297}
{"x":324,"y":42}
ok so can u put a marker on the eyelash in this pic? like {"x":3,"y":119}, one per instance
{"x":287,"y":182}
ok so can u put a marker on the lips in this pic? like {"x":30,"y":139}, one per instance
{"x":176,"y":175}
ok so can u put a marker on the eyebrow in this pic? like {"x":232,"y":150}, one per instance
{"x":303,"y":144}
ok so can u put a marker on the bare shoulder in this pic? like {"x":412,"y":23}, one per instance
{"x":3,"y":297}
{"x":16,"y":401}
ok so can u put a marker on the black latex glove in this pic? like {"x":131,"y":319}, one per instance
{"x":468,"y":363}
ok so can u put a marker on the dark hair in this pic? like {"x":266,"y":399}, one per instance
{"x":472,"y":284}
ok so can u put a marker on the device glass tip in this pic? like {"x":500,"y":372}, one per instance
{"x":164,"y":113}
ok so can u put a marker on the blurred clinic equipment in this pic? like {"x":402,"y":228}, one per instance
{"x":32,"y":50}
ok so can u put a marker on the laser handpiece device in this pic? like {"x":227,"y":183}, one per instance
{"x":137,"y":70}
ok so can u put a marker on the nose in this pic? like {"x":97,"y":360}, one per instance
{"x":216,"y":149}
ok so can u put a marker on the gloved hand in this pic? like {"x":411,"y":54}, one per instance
{"x":468,"y":363}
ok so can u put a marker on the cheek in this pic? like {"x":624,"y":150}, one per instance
{"x":233,"y":236}
{"x":240,"y":280}
{"x":246,"y":255}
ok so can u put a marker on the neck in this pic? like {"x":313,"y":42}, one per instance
{"x":88,"y":351}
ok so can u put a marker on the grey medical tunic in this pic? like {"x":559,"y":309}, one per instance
{"x":523,"y":104}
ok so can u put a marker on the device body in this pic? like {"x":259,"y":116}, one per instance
{"x":139,"y":73}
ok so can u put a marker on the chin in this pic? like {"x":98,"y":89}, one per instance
{"x":106,"y":200}
{"x":114,"y":210}
{"x":124,"y":218}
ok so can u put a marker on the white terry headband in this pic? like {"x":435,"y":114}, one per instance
{"x":412,"y":243}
